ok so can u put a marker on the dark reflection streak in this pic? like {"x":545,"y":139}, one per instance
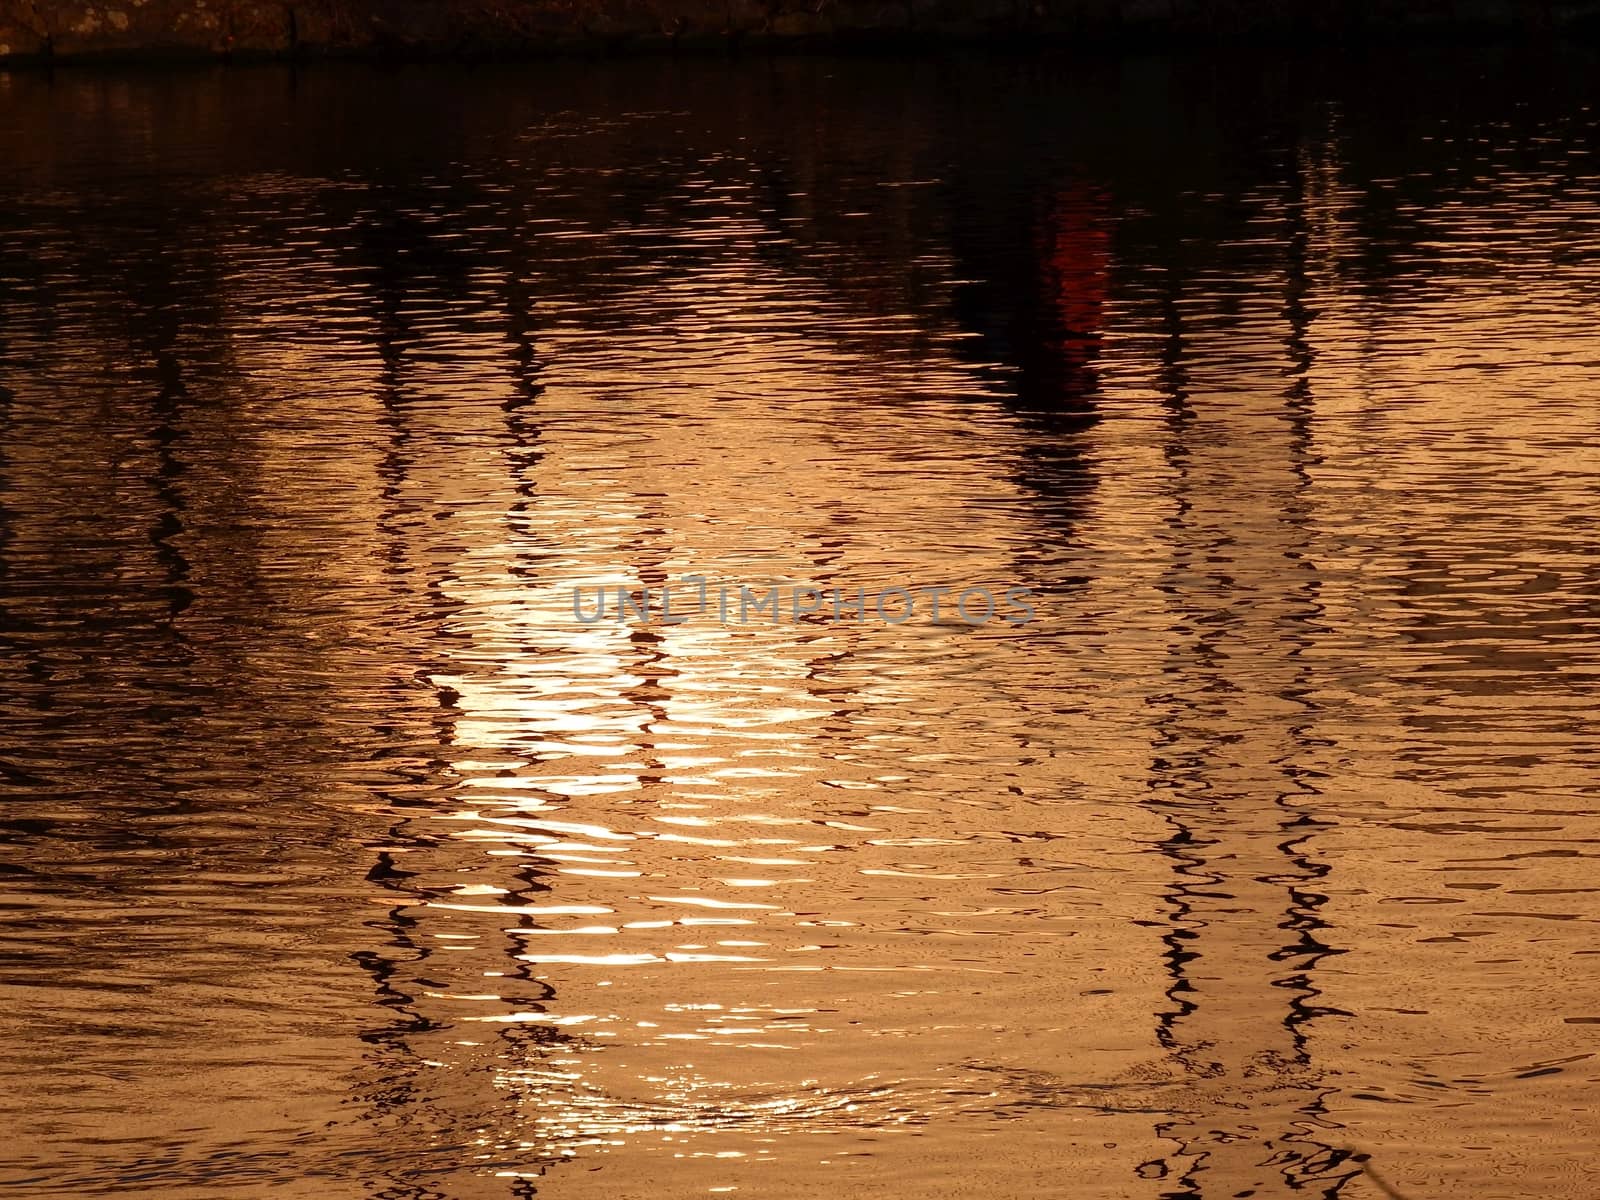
{"x":520,"y":988}
{"x":396,"y":925}
{"x":1302,"y":1160}
{"x":1185,"y":850}
{"x":395,"y":1091}
{"x":7,"y":517}
{"x":839,"y":723}
{"x":1170,"y":775}
{"x":1320,"y":1160}
{"x":1173,"y":378}
{"x":1059,"y":374}
{"x":156,"y":316}
{"x":168,"y":526}
{"x":383,"y":967}
{"x":1297,"y":342}
{"x":522,"y":451}
{"x":523,"y":456}
{"x":651,"y":659}
{"x":1196,"y":884}
{"x":29,"y":663}
{"x":1038,"y":305}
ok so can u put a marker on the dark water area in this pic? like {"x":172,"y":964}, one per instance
{"x":340,"y":859}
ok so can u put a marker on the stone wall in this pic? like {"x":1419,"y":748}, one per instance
{"x":78,"y":29}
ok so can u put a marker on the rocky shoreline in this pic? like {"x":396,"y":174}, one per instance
{"x":43,"y":31}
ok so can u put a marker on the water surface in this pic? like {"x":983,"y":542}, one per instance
{"x":342,"y":861}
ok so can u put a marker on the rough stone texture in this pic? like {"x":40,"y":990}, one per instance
{"x":21,"y":31}
{"x":86,"y":28}
{"x":73,"y":29}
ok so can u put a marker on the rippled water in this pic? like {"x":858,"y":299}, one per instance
{"x":342,"y":861}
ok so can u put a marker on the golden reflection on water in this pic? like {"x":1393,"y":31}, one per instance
{"x":346,"y":861}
